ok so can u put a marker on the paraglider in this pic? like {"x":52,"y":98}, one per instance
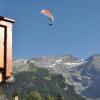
{"x":49,"y":15}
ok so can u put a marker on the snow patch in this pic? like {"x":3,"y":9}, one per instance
{"x":76,"y":63}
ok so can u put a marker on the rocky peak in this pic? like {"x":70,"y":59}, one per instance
{"x":94,"y":57}
{"x":94,"y":61}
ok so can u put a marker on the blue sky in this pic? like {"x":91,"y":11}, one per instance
{"x":76,"y":29}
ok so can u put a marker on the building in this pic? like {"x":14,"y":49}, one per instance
{"x":6,"y":25}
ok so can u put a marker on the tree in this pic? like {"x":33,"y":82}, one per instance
{"x":15,"y":95}
{"x":50,"y":98}
{"x":34,"y":95}
{"x":60,"y":96}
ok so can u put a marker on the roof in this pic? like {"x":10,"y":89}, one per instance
{"x":7,"y":19}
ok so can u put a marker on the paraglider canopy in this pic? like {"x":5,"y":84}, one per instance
{"x":49,"y":15}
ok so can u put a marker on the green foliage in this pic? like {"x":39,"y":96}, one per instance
{"x":1,"y":91}
{"x":50,"y":98}
{"x":34,"y":95}
{"x":41,"y":72}
{"x":14,"y":94}
{"x":60,"y":96}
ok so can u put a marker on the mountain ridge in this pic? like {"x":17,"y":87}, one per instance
{"x":84,"y":76}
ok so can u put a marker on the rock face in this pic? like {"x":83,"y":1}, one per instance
{"x":84,"y":74}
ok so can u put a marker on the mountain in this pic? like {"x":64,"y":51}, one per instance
{"x":39,"y":82}
{"x":84,"y":74}
{"x":92,"y":70}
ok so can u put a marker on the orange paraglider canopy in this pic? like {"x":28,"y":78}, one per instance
{"x":48,"y":14}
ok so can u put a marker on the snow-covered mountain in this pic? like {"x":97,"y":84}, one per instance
{"x":84,"y":74}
